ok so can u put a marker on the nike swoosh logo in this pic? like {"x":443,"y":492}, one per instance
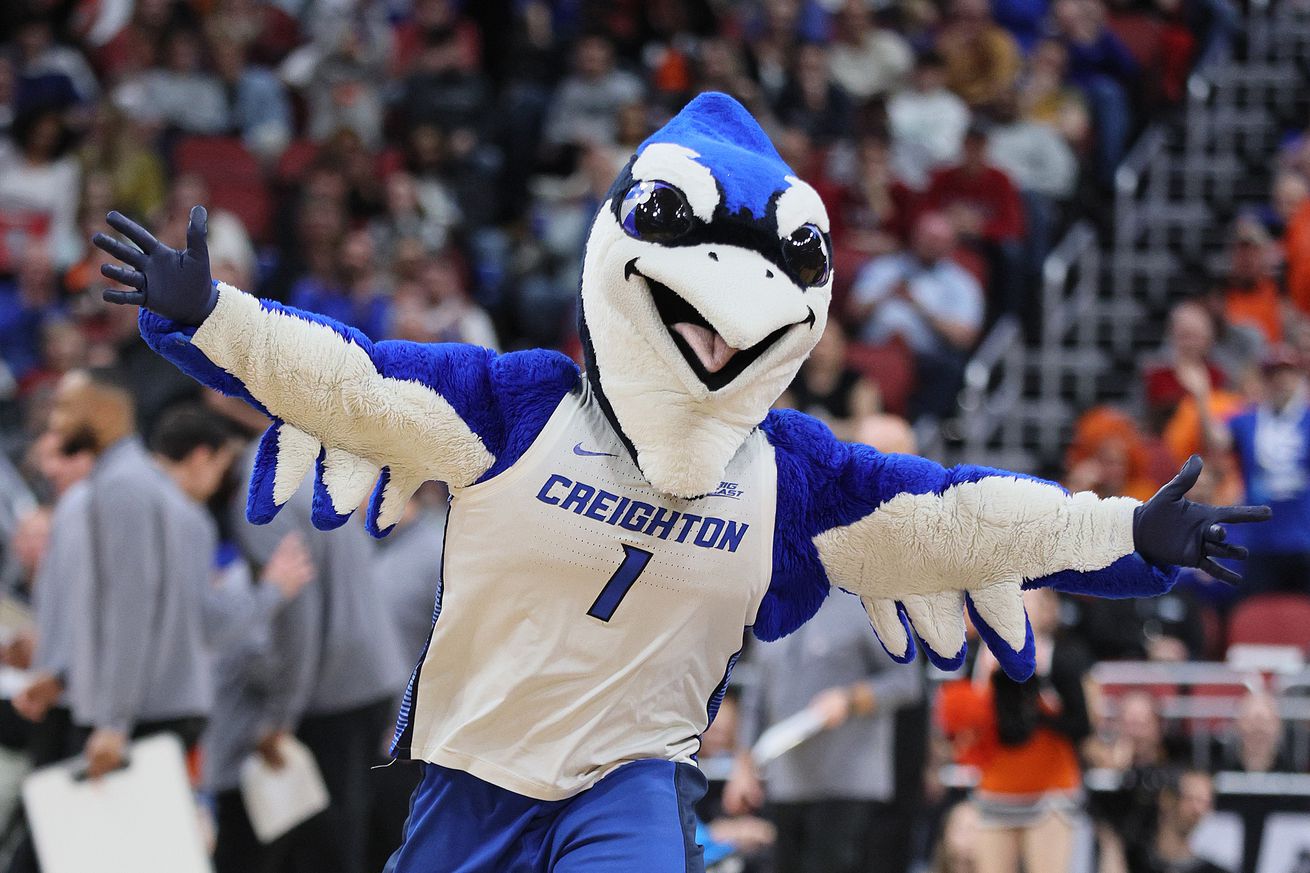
{"x":579,"y":450}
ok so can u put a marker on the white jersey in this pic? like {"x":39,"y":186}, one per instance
{"x":585,"y":620}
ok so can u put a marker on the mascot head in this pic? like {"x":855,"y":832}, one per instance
{"x":706,"y":283}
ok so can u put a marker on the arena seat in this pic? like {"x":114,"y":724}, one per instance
{"x":890,"y":367}
{"x":235,"y":179}
{"x":1272,"y":619}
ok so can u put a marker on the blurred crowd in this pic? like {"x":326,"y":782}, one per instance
{"x":427,"y":170}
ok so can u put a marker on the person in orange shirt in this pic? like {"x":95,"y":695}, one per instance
{"x":1292,"y":203}
{"x":1023,"y":738}
{"x":1109,"y":455}
{"x":1250,"y":294}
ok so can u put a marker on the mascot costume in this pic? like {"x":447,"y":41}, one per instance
{"x":613,"y":533}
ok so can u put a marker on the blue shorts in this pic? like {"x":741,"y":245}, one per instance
{"x":638,"y":818}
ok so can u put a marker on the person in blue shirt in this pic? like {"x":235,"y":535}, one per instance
{"x":1271,"y":442}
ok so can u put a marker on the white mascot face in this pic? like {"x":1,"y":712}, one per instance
{"x":706,"y":284}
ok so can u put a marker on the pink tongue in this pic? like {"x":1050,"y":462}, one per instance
{"x":713,"y":351}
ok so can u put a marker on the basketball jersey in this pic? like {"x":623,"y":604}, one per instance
{"x":585,"y":620}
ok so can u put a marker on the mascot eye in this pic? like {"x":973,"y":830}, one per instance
{"x":655,"y":212}
{"x":807,"y":255}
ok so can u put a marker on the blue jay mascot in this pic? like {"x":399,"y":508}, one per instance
{"x":614,"y":532}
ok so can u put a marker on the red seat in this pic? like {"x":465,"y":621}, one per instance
{"x":1272,"y":619}
{"x":295,"y":160}
{"x":234,"y":177}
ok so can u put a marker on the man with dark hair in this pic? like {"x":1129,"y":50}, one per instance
{"x":1186,"y":798}
{"x":131,"y":653}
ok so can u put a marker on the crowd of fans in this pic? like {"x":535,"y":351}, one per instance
{"x":428,"y":169}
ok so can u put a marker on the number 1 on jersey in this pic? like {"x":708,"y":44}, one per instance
{"x":634,"y":561}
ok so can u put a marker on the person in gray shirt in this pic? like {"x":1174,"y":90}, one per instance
{"x":832,"y":798}
{"x":332,"y":678}
{"x":134,"y":659}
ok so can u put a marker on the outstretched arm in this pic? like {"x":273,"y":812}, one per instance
{"x":919,"y":543}
{"x":390,"y":413}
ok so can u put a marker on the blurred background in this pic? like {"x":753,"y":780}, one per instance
{"x":1071,"y":237}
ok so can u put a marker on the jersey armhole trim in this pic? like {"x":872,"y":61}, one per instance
{"x":557,"y":421}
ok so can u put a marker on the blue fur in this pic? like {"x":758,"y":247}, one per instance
{"x":504,"y":399}
{"x":322,"y":513}
{"x":731,"y":143}
{"x":824,"y":483}
{"x":375,"y":506}
{"x":1017,"y":665}
{"x":260,"y":507}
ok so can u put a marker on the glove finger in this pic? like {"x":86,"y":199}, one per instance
{"x":119,"y":296}
{"x":197,"y":229}
{"x":143,"y":238}
{"x":938,"y":620}
{"x":1186,"y":478}
{"x":123,"y":275}
{"x":1225,"y":550}
{"x":1220,"y":572}
{"x":342,"y":483}
{"x":1216,"y":533}
{"x":891,"y":627}
{"x":284,"y":456}
{"x":125,"y":253}
{"x":387,"y":504}
{"x":998,"y":614}
{"x":1240,"y":514}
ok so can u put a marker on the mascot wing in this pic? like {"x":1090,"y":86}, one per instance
{"x":371,"y":417}
{"x":920,"y":544}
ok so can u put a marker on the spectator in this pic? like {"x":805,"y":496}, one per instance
{"x":812,"y":101}
{"x":957,"y":848}
{"x":1184,"y":802}
{"x":182,"y":94}
{"x":1189,"y":342}
{"x":120,"y":147}
{"x":931,"y":303}
{"x":445,"y":88}
{"x":25,"y":306}
{"x":451,"y":315}
{"x":982,"y":59}
{"x":231,"y":253}
{"x":1259,"y":743}
{"x":39,"y":187}
{"x":928,"y":123}
{"x":340,"y":73}
{"x":587,"y":102}
{"x":985,"y":208}
{"x":874,"y":211}
{"x":1272,"y":446}
{"x":1108,"y":455}
{"x":1250,"y":295}
{"x":258,"y":109}
{"x":1292,"y":202}
{"x":1104,"y":71}
{"x":354,"y":293}
{"x":1046,"y":98}
{"x":333,"y":676}
{"x":828,"y":388}
{"x":134,"y":660}
{"x":833,"y":798}
{"x":866,"y":60}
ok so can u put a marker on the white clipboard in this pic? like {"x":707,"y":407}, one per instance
{"x":780,"y":738}
{"x":278,"y":800}
{"x":140,"y":819}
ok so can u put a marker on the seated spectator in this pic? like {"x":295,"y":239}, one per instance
{"x":1102,"y":68}
{"x":341,"y":80}
{"x":587,"y":102}
{"x":121,"y":147}
{"x":985,"y":208}
{"x":445,"y":88}
{"x":1259,"y":743}
{"x":865,"y":59}
{"x":1108,"y":455}
{"x":1186,"y":798}
{"x":874,"y":212}
{"x":257,"y":105}
{"x":1272,"y":445}
{"x":982,"y":59}
{"x":430,"y":17}
{"x":39,"y":187}
{"x":722,"y":68}
{"x":1250,"y":295}
{"x":830,"y":389}
{"x":53,"y":75}
{"x":451,"y":315}
{"x":928,"y":123}
{"x":931,"y":303}
{"x":231,"y":253}
{"x":354,"y":294}
{"x":1046,"y":98}
{"x":181,"y":94}
{"x":1189,"y":341}
{"x":812,"y":101}
{"x":26,"y":304}
{"x":1292,"y":201}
